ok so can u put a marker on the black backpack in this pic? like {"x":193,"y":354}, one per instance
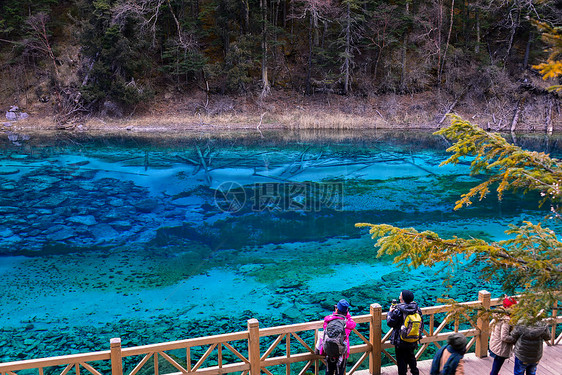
{"x":334,"y":339}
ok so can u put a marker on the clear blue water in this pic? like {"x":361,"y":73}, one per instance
{"x":166,"y":238}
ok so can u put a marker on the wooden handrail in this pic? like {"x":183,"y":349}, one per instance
{"x":182,"y":344}
{"x":54,"y":361}
{"x":251,"y":356}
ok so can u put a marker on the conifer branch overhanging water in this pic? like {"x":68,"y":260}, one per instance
{"x":532,"y":261}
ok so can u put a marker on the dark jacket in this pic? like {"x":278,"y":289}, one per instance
{"x":395,"y":320}
{"x":529,"y":341}
{"x":450,"y":366}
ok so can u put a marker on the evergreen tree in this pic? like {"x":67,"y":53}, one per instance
{"x":181,"y":62}
{"x":351,"y":21}
{"x":315,"y":13}
{"x":182,"y":56}
{"x":382,"y":35}
{"x":232,"y":50}
{"x":130,"y":45}
{"x":116,"y":53}
{"x":14,"y":13}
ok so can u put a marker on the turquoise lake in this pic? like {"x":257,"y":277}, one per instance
{"x":171,"y":237}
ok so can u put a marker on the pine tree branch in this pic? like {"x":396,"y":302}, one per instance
{"x":511,"y":166}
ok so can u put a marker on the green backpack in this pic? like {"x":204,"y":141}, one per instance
{"x":411,"y":330}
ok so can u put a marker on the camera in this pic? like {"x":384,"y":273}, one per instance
{"x":393,"y":303}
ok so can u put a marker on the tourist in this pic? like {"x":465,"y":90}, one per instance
{"x":335,"y":344}
{"x":449,"y":359}
{"x":528,"y":339}
{"x":405,"y":338}
{"x":500,"y":349}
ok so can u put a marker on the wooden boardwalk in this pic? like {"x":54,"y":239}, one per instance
{"x":550,"y":364}
{"x":256,"y":355}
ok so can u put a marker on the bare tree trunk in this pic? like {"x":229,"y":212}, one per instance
{"x":178,"y":26}
{"x":324,"y":33}
{"x":514,"y":25}
{"x":90,"y":67}
{"x":381,"y":47}
{"x":315,"y":28}
{"x":292,"y":12}
{"x":466,"y":22}
{"x":439,"y":56}
{"x":448,"y":37}
{"x":377,"y":64}
{"x":194,"y":9}
{"x":477,"y":16}
{"x":38,"y":24}
{"x":265,"y":80}
{"x":454,"y":104}
{"x":515,"y":120}
{"x":548,"y":120}
{"x":9,"y":41}
{"x":347,"y":58}
{"x":284,"y":14}
{"x":246,"y":10}
{"x":527,"y":50}
{"x":274,"y":21}
{"x":404,"y":50}
{"x":308,"y":86}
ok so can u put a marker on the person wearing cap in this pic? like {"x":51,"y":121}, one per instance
{"x":500,"y":349}
{"x":528,"y":336}
{"x":341,"y":311}
{"x":449,"y":359}
{"x":405,"y":351}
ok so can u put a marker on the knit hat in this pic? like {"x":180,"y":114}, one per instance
{"x":508,"y":302}
{"x":343,"y":306}
{"x":407,"y":296}
{"x":457,"y":341}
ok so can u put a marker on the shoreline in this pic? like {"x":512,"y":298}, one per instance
{"x":175,"y":124}
{"x":149,"y":125}
{"x":280,"y":111}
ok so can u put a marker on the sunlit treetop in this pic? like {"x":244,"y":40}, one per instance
{"x":552,"y":68}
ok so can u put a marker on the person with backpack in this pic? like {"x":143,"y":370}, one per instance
{"x":406,"y":321}
{"x":335,"y":342}
{"x":449,"y":359}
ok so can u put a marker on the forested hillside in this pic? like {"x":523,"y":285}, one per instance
{"x":79,"y":57}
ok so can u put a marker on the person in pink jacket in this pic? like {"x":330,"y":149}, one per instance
{"x":334,"y":325}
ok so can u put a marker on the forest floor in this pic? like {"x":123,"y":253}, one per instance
{"x":195,"y":112}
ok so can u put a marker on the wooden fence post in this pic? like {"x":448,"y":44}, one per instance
{"x":375,"y":337}
{"x":254,"y":355}
{"x":483,"y":325}
{"x":554,"y":324}
{"x":116,"y":358}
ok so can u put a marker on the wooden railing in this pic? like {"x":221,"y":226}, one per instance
{"x":257,"y":350}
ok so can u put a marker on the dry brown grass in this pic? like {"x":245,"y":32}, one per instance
{"x":417,"y":111}
{"x":295,"y":120}
{"x":328,"y":120}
